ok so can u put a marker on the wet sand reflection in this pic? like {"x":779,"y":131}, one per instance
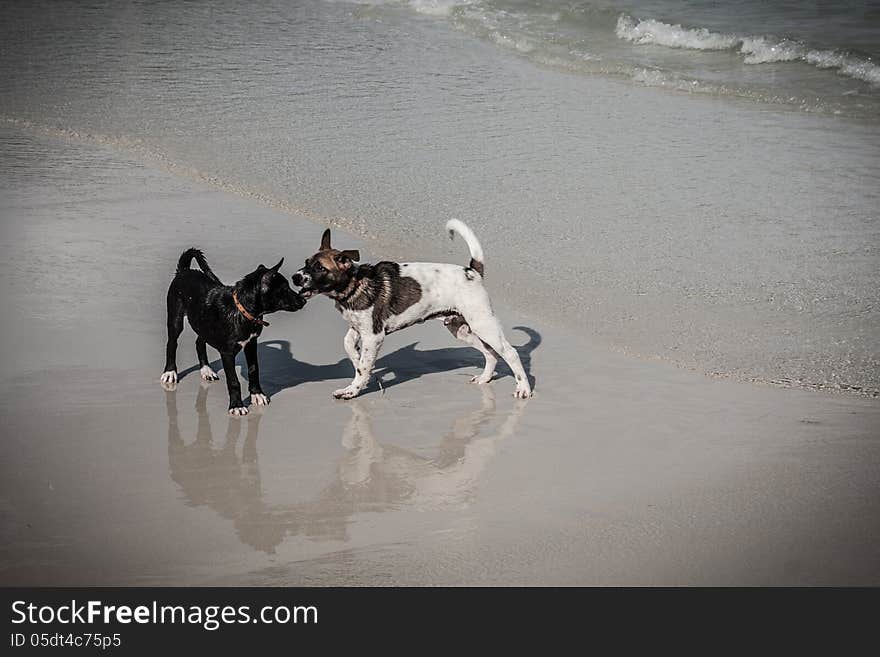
{"x":372,"y":475}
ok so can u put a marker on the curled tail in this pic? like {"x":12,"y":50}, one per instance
{"x":454,"y":226}
{"x":186,"y":258}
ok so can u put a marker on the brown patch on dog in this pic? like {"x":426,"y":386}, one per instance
{"x":477,"y":266}
{"x":331,"y":269}
{"x":332,"y":259}
{"x":405,"y":292}
{"x":380,"y":287}
{"x":453,"y":323}
{"x":394,"y":293}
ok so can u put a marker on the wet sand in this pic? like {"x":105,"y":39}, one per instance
{"x":618,"y":471}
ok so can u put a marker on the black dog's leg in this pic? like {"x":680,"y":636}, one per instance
{"x":236,"y":407}
{"x":202,"y":352}
{"x":176,"y":312}
{"x":250,"y":354}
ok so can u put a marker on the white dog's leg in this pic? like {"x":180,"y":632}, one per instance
{"x":467,"y":336}
{"x":370,"y":346}
{"x":351,"y":347}
{"x":487,"y":328}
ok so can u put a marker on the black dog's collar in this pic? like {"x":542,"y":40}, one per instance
{"x":246,"y":313}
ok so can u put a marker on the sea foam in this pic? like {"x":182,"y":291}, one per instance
{"x":436,"y":7}
{"x":755,"y":49}
{"x":672,"y":36}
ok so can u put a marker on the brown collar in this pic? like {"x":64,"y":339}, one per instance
{"x":246,"y":313}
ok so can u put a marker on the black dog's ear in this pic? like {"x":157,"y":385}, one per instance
{"x":278,"y":266}
{"x":261,"y":268}
{"x":325,"y":240}
{"x":352,"y":254}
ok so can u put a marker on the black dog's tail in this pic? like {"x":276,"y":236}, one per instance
{"x":186,"y":258}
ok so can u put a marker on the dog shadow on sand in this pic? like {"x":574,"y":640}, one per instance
{"x":371,"y":474}
{"x":279,"y":369}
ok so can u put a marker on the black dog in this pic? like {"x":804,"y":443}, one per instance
{"x":225,"y":317}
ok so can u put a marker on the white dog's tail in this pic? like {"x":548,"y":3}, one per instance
{"x":454,"y":226}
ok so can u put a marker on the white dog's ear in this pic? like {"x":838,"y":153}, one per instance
{"x":344,"y":259}
{"x":325,"y":240}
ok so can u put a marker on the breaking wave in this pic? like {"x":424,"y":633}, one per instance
{"x":754,"y":49}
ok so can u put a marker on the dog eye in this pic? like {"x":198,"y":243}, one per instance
{"x":318,"y":268}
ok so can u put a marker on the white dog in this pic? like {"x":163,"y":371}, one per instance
{"x":388,"y":296}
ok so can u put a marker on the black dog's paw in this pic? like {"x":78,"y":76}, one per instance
{"x":259,"y":399}
{"x":238,"y":410}
{"x":208,"y":374}
{"x":168,"y":380}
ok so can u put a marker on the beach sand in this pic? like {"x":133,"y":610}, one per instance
{"x":619,"y":470}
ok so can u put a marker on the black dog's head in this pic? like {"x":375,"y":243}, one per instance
{"x":271,"y":290}
{"x":328,"y":270}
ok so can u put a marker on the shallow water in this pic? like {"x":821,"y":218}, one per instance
{"x":732,"y":236}
{"x":818,"y":56}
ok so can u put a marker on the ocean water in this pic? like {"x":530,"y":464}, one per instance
{"x":817,"y":56}
{"x":678,"y":180}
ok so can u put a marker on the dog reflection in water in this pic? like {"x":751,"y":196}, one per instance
{"x":371,"y":476}
{"x":217,"y":476}
{"x":376,"y":472}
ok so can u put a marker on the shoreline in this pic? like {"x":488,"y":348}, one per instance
{"x":153,"y":156}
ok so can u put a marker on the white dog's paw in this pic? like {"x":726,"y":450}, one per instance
{"x":479,"y":379}
{"x":349,"y":392}
{"x":259,"y":399}
{"x":168,"y":380}
{"x":208,"y":374}
{"x":238,"y":410}
{"x":522,"y":391}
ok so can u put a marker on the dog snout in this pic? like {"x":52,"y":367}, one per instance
{"x":292,"y":302}
{"x":302,"y":279}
